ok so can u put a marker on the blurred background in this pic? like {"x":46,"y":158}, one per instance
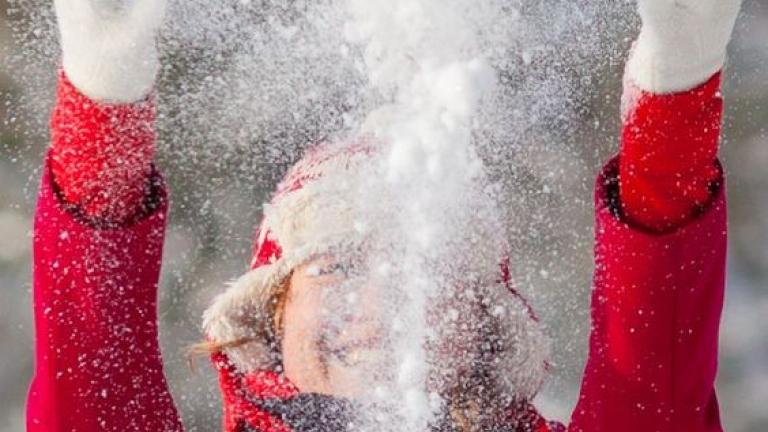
{"x":568,"y":86}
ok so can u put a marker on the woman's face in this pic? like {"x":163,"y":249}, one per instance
{"x":331,"y":328}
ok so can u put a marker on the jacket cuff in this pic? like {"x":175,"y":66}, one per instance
{"x":155,"y":201}
{"x":101,"y":154}
{"x":607,"y":197}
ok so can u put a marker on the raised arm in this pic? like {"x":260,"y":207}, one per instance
{"x":99,"y":231}
{"x":661,"y":233}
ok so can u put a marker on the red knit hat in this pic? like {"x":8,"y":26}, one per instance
{"x":311,"y":213}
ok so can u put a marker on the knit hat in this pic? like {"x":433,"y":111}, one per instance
{"x":312,"y":213}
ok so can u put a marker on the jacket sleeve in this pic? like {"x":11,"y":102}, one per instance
{"x":101,"y":153}
{"x":669,"y":146}
{"x":97,"y":357}
{"x":657,"y":295}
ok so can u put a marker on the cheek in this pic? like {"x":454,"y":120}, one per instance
{"x":302,"y":358}
{"x":301,"y":320}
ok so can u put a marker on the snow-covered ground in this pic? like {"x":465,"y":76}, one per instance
{"x":550,"y":220}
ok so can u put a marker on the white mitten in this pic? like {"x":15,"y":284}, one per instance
{"x":682,"y":43}
{"x":108,"y":46}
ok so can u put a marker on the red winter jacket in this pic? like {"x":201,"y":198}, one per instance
{"x":658,"y":285}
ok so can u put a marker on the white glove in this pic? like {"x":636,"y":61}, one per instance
{"x":682,"y":43}
{"x":108,"y":46}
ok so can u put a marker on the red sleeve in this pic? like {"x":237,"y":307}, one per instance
{"x":659,"y":270}
{"x":668,"y":152}
{"x":101,"y":154}
{"x":656,"y":305}
{"x":97,"y":358}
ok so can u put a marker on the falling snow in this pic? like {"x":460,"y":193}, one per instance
{"x":496,"y":116}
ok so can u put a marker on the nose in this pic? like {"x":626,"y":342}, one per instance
{"x":361,"y":305}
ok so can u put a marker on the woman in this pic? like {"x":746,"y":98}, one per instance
{"x":99,"y":227}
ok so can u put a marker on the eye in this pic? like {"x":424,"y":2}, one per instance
{"x":327,"y":267}
{"x":335,"y":269}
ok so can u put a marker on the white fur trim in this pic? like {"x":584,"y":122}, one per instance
{"x":108,"y":46}
{"x":300,"y":220}
{"x":682,"y":43}
{"x":242,"y":311}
